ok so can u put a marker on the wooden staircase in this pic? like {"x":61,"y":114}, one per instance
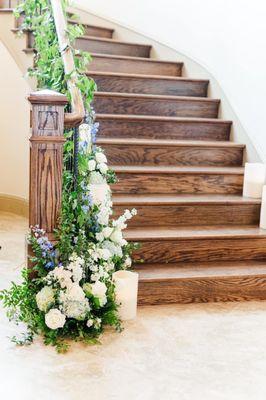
{"x":199,"y":237}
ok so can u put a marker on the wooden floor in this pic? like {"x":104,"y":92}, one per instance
{"x":175,"y":163}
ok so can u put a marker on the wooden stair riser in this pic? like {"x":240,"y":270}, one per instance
{"x":108,"y":63}
{"x":191,"y":214}
{"x":94,"y":45}
{"x":201,"y":250}
{"x":148,"y":85}
{"x":96,"y":31}
{"x":130,"y":154}
{"x":171,"y":183}
{"x":172,"y":107}
{"x":163,"y":129}
{"x":202,"y":290}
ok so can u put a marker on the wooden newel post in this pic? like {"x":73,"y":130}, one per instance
{"x":46,"y":158}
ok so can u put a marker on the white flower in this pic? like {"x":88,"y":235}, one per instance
{"x":62,"y":275}
{"x":103,"y":168}
{"x":103,"y":216}
{"x":76,"y":309}
{"x":54,"y":319}
{"x":105,"y":254}
{"x":84,"y":133}
{"x":100,"y":158}
{"x":117,"y":237}
{"x":107,"y":232}
{"x":99,"y":237}
{"x":89,"y":323}
{"x":75,"y":267}
{"x":74,"y":292}
{"x":97,"y":178}
{"x":114,"y":249}
{"x":97,"y":323}
{"x":98,"y":290}
{"x":99,"y":193}
{"x":45,"y":298}
{"x":128,"y":262}
{"x":91,"y":165}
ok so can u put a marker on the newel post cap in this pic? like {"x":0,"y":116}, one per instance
{"x":47,"y":96}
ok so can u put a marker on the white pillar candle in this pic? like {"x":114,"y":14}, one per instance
{"x":263,"y":209}
{"x":126,"y":291}
{"x":254,"y":179}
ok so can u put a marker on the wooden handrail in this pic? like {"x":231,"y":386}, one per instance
{"x":77,"y":106}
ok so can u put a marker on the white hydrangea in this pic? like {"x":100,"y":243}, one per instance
{"x":91,"y":165}
{"x":45,"y":298}
{"x":74,"y":303}
{"x":100,"y":157}
{"x":99,"y":290}
{"x":54,"y":319}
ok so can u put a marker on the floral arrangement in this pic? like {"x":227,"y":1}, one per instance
{"x":68,"y":293}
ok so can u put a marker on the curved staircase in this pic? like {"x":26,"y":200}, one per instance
{"x":200,"y":239}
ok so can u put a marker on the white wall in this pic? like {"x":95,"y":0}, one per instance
{"x":228,"y":38}
{"x":14,"y":128}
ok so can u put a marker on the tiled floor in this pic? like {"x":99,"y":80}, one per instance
{"x":203,"y":352}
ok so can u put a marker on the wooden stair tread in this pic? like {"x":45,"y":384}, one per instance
{"x":168,"y":142}
{"x":180,"y":169}
{"x":174,"y":271}
{"x":113,"y":41}
{"x":195,"y":233}
{"x":129,"y":58}
{"x":141,"y":76}
{"x":157,"y":97}
{"x":130,"y":117}
{"x":181,"y":199}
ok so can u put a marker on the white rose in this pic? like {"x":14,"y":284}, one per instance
{"x":54,"y":319}
{"x":45,"y":298}
{"x":99,"y":192}
{"x":100,"y":237}
{"x":100,"y":158}
{"x":117,"y":237}
{"x":62,"y":275}
{"x":103,"y":168}
{"x":113,"y":248}
{"x":91,"y":165}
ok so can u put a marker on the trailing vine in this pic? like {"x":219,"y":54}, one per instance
{"x":72,"y":295}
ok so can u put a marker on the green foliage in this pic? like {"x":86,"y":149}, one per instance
{"x":79,"y":224}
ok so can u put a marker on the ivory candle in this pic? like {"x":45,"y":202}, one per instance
{"x":263,"y":209}
{"x":254,"y":179}
{"x":126,"y":290}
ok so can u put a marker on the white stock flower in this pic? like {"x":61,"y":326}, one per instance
{"x":91,"y":165}
{"x":99,"y":290}
{"x":103,"y":168}
{"x":103,"y":216}
{"x":100,"y":237}
{"x":45,"y":298}
{"x":100,"y":158}
{"x":107,"y":231}
{"x":54,"y":319}
{"x":76,"y":268}
{"x":84,"y":133}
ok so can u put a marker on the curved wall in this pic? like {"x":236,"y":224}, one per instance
{"x":227,"y":38}
{"x":14,"y":129}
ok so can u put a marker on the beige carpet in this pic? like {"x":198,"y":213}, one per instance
{"x":203,"y":352}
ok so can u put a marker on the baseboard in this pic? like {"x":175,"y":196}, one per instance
{"x":14,"y":204}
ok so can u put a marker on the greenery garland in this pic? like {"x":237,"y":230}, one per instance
{"x":72,"y":295}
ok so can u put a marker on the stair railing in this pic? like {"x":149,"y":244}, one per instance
{"x":46,"y":143}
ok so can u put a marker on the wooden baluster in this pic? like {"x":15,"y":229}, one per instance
{"x":46,"y":158}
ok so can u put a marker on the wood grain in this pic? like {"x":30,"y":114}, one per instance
{"x":92,"y":30}
{"x":110,"y":46}
{"x":148,"y":84}
{"x":162,"y":152}
{"x":134,"y":65}
{"x":151,"y":127}
{"x":172,"y":106}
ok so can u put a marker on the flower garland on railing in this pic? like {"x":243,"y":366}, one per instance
{"x":70,"y":293}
